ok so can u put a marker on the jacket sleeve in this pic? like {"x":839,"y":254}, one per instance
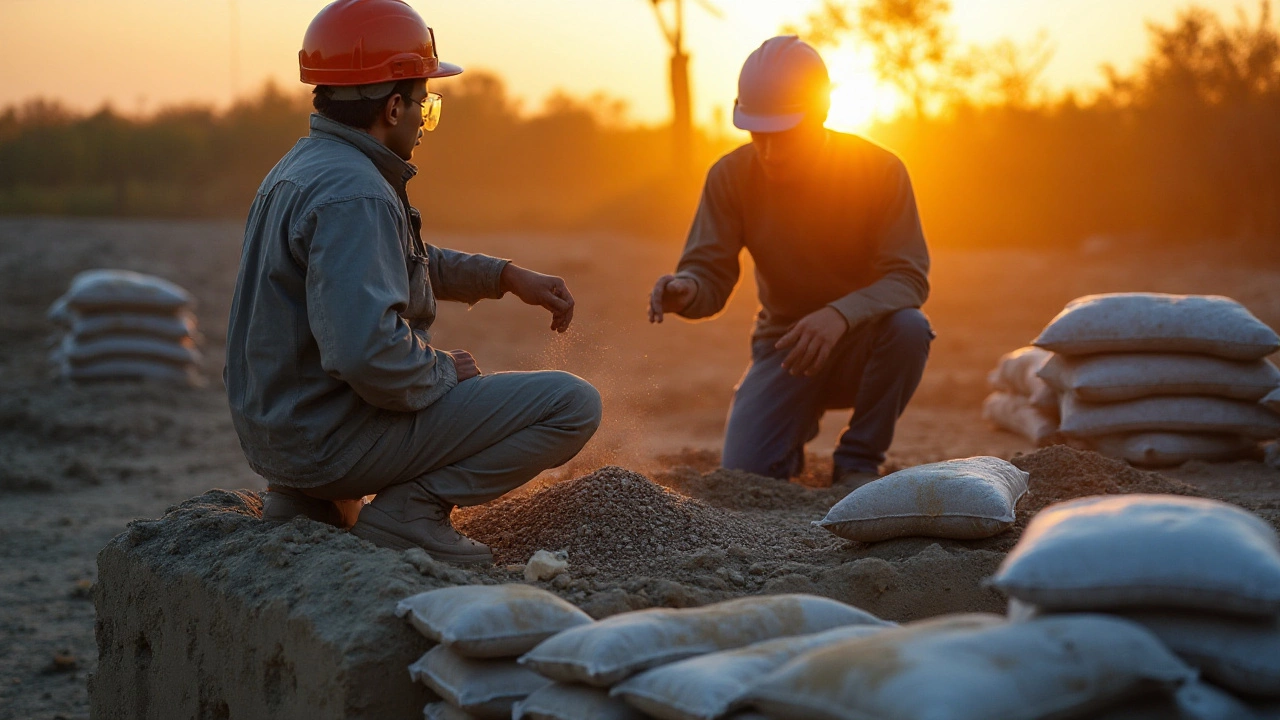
{"x":901,"y":258}
{"x":712,"y":250}
{"x":464,"y":277}
{"x":357,"y":286}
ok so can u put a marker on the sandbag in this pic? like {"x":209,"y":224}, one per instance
{"x":973,"y":668}
{"x":444,"y":711}
{"x":1272,"y":401}
{"x":1124,"y":551}
{"x":131,"y":369}
{"x":1185,"y":414}
{"x":1016,"y":414}
{"x":484,"y":688}
{"x":1170,"y":449}
{"x":490,"y":621}
{"x":124,"y":290}
{"x":961,"y":499}
{"x":169,"y":326}
{"x":711,"y":686}
{"x":1114,"y":378}
{"x":562,"y":701}
{"x":1017,"y":372}
{"x":123,"y":347}
{"x":617,"y":647}
{"x":1158,"y":323}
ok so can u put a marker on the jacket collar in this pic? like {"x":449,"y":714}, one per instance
{"x":396,"y":171}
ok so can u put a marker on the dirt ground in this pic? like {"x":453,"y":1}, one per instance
{"x":77,"y":463}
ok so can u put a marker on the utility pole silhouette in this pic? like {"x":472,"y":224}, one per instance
{"x":681,"y":102}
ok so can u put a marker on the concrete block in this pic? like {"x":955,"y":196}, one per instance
{"x":211,"y":613}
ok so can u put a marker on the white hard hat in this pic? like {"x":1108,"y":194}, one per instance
{"x":781,"y":81}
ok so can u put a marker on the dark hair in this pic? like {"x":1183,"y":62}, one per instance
{"x":358,"y":114}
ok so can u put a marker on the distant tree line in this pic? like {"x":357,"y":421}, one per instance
{"x":1184,"y":147}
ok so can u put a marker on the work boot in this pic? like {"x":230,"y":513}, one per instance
{"x":407,"y":516}
{"x":850,"y":479}
{"x":282,"y":504}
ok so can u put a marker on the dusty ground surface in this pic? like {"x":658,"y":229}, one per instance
{"x":76,"y":464}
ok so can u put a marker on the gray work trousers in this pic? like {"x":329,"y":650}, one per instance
{"x":487,"y":436}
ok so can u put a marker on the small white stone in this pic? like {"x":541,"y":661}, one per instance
{"x":545,"y":565}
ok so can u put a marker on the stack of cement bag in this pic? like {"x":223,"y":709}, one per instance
{"x":1020,"y":401}
{"x":1200,"y":575}
{"x":1162,"y":379}
{"x":117,"y":324}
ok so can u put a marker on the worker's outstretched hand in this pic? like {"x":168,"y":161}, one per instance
{"x":811,"y":340}
{"x":670,"y":294}
{"x":547,"y":291}
{"x":464,"y":365}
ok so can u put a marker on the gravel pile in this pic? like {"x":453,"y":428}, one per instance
{"x":613,"y":519}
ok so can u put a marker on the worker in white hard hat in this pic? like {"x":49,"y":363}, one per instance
{"x":841,"y":263}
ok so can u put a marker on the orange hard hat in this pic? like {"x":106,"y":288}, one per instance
{"x":362,"y":42}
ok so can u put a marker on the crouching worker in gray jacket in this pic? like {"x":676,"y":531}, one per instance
{"x":335,"y":389}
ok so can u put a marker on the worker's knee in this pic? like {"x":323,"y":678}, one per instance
{"x":580,"y":405}
{"x":907,"y":331}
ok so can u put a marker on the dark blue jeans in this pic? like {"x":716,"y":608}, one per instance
{"x":874,"y":370}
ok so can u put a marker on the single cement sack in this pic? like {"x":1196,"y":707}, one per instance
{"x":1016,"y":414}
{"x":484,"y":688}
{"x":129,"y":347}
{"x":131,"y":369}
{"x":167,"y":326}
{"x":973,"y":668}
{"x":1017,"y":372}
{"x":1157,"y":323}
{"x":490,"y":621}
{"x":711,"y":686}
{"x":961,"y":499}
{"x":1126,"y":551}
{"x":124,"y":290}
{"x":444,"y":711}
{"x":1114,"y":378}
{"x":617,"y":647}
{"x":561,"y":701}
{"x":1240,"y":654}
{"x":1272,"y":401}
{"x":1170,"y":449}
{"x":1184,"y":414}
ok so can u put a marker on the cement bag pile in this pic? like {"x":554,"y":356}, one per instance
{"x":481,"y":630}
{"x":585,"y":662}
{"x":1161,"y":379}
{"x":1020,"y":401}
{"x":978,"y":667}
{"x":964,"y":499}
{"x":1202,"y":576}
{"x":118,"y":324}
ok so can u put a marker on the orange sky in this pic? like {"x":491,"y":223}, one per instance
{"x":140,"y":54}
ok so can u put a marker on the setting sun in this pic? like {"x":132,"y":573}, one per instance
{"x":857,"y":98}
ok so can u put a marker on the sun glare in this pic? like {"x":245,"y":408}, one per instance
{"x":858,"y":99}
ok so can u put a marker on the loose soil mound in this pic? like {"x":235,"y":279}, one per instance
{"x":1061,"y":473}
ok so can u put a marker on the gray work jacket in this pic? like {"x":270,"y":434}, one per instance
{"x":328,"y":341}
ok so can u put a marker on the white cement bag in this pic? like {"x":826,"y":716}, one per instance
{"x":490,"y":621}
{"x":617,"y":647}
{"x":131,"y":369}
{"x":116,"y":290}
{"x":962,"y":499}
{"x":484,"y":688}
{"x":973,"y":668}
{"x":1185,"y":414}
{"x":1272,"y":401}
{"x":1169,"y":449}
{"x":1153,"y":322}
{"x":125,"y":347}
{"x":1113,"y":378}
{"x":1240,"y":654}
{"x":169,"y":326}
{"x":561,"y":701}
{"x":444,"y":711}
{"x":1125,"y":551}
{"x":710,"y":686}
{"x":1017,"y":372}
{"x":1016,"y":414}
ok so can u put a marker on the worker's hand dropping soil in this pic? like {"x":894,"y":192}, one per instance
{"x":670,"y":294}
{"x":547,"y":291}
{"x":811,"y":340}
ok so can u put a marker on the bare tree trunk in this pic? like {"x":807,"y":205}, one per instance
{"x":681,"y":113}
